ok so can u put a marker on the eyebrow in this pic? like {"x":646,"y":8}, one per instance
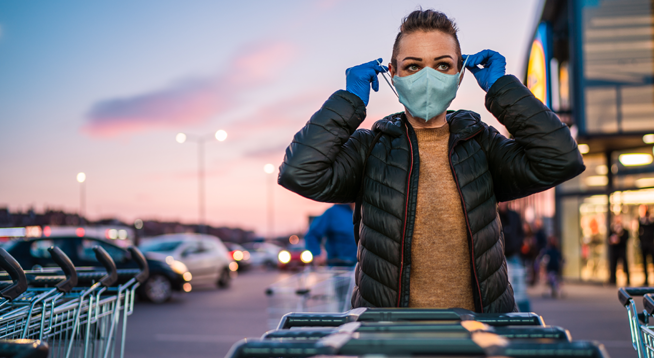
{"x":420,"y":59}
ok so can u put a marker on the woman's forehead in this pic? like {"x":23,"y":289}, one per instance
{"x":429,"y":44}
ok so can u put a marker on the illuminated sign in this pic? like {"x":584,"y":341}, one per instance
{"x":538,"y":66}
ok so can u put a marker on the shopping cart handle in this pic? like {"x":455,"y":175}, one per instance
{"x":137,"y":256}
{"x":112,"y":273}
{"x":60,"y":258}
{"x":19,"y":281}
{"x":648,"y":304}
{"x":23,"y":348}
{"x":280,"y":349}
{"x":625,"y":293}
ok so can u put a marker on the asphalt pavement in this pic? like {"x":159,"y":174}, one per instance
{"x":207,"y":321}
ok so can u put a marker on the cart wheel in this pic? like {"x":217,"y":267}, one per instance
{"x":225,"y":279}
{"x":157,"y":289}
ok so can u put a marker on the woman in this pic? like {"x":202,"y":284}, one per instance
{"x":427,"y":182}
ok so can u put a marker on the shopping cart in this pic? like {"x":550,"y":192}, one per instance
{"x":393,"y":344}
{"x":23,"y":348}
{"x":363,"y":314}
{"x":76,"y":321}
{"x":647,"y":330}
{"x":638,"y":322}
{"x":509,"y":332}
{"x":313,"y":290}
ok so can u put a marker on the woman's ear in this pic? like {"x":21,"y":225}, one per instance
{"x":463,"y":72}
{"x":391,"y":71}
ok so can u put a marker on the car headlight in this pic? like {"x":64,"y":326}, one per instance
{"x":284,"y":257}
{"x":178,"y":267}
{"x":306,"y":256}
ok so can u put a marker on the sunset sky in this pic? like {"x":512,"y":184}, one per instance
{"x":104,"y":87}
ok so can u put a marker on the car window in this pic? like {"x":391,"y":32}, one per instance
{"x":160,"y":246}
{"x":220,"y":247}
{"x":85,"y":251}
{"x":193,"y":248}
{"x":39,"y":248}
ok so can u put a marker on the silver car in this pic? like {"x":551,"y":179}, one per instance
{"x":205,"y":256}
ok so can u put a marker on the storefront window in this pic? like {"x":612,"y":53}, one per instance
{"x":594,"y":177}
{"x":617,"y":65}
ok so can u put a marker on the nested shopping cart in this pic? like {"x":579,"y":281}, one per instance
{"x":312,"y":290}
{"x":81,"y":315}
{"x":407,"y":332}
{"x":641,"y":331}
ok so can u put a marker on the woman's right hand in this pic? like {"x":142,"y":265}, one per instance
{"x":359,"y":78}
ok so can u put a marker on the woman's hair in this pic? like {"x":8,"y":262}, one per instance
{"x":427,"y":20}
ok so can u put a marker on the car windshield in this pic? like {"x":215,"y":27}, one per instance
{"x":160,"y":246}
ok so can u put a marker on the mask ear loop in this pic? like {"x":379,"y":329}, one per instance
{"x":387,"y":81}
{"x":463,"y":69}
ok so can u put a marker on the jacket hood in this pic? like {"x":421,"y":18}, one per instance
{"x":463,"y":124}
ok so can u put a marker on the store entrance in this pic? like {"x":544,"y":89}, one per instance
{"x":594,"y":224}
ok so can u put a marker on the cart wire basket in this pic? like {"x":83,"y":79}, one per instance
{"x":83,"y":315}
{"x":312,"y":290}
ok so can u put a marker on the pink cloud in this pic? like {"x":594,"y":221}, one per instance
{"x":192,"y":101}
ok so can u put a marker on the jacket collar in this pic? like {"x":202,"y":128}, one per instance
{"x":463,"y":124}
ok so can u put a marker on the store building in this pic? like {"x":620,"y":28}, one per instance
{"x":592,"y":62}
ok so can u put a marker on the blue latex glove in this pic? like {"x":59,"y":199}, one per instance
{"x":494,"y":67}
{"x":359,"y":78}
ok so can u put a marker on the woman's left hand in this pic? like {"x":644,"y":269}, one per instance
{"x":494,"y":67}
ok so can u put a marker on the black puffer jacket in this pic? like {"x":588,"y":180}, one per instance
{"x":325,"y":162}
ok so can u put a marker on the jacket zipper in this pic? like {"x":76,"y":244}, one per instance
{"x":406,"y":212}
{"x":465,"y":214}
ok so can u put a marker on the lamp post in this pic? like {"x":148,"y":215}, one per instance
{"x":81,"y":178}
{"x":269,"y":169}
{"x":181,"y":138}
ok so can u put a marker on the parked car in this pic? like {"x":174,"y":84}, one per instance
{"x":239,"y":254}
{"x":263,"y":254}
{"x":294,"y":257}
{"x":206,"y":257}
{"x":166,"y":276}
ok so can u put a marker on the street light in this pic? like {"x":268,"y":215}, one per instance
{"x":269,"y":169}
{"x":181,"y":138}
{"x":81,"y":178}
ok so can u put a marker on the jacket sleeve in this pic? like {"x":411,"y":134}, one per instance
{"x":325,"y":159}
{"x":542,"y":153}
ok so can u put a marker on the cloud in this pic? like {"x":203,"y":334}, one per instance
{"x":191,"y":101}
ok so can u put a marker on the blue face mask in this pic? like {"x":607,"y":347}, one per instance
{"x":427,"y":93}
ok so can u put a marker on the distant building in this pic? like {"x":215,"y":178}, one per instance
{"x":592,"y":62}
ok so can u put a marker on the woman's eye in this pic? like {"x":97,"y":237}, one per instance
{"x":413,"y":68}
{"x":443,"y":67}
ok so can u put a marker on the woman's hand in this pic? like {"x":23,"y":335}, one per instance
{"x":494,"y":67}
{"x":359,"y":78}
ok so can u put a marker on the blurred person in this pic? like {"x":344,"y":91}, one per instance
{"x":529,"y":252}
{"x":426,"y":182}
{"x":618,"y":237}
{"x":513,"y":239}
{"x":335,"y":230}
{"x":539,"y":235}
{"x":554,"y":259}
{"x":646,"y":237}
{"x":540,"y":242}
{"x":513,"y":231}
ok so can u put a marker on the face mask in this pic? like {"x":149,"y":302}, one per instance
{"x":427,"y":93}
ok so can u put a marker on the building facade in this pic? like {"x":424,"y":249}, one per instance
{"x":592,"y":62}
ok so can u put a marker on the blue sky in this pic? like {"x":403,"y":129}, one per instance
{"x":103,"y":87}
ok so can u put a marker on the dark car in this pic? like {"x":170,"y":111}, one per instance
{"x":239,"y":254}
{"x":165,"y":277}
{"x":294,"y":257}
